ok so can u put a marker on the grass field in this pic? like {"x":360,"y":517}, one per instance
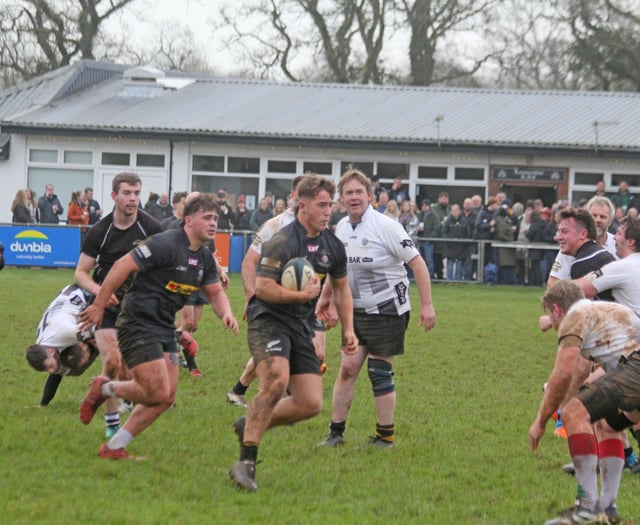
{"x":467,"y":394}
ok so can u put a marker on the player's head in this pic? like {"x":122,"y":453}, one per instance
{"x":200,"y":215}
{"x":628,"y":236}
{"x":125,"y":192}
{"x":315,"y":196}
{"x":576,"y":226}
{"x":43,"y":358}
{"x":558,"y":298}
{"x":356,"y":193}
{"x":75,"y":356}
{"x":602,"y":211}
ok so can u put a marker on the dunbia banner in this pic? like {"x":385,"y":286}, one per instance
{"x":34,"y":245}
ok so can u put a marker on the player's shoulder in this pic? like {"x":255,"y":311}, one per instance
{"x":150,"y":223}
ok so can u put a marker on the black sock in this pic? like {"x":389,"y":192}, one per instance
{"x":248,"y":451}
{"x":628,"y":452}
{"x":191,"y":361}
{"x":239,"y":389}
{"x":385,"y":432}
{"x":338,"y":427}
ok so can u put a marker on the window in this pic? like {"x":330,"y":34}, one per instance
{"x":590,"y":179}
{"x":388,"y":170}
{"x":365,"y":167}
{"x":244,"y":165}
{"x":234,"y":187}
{"x":280,"y":188}
{"x":78,"y":157}
{"x":319,"y":168}
{"x":43,"y":155}
{"x":116,"y":159}
{"x":208,"y":163}
{"x":432,"y":172}
{"x":147,"y":160}
{"x":632,"y":180}
{"x":64,"y":180}
{"x":281,"y":166}
{"x":469,"y":174}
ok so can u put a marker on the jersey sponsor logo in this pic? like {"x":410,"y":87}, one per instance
{"x":407,"y":243}
{"x":144,"y":251}
{"x":76,"y":301}
{"x":181,"y":268}
{"x":367,"y":259}
{"x":556,"y":266}
{"x":312,"y":248}
{"x":181,"y":288}
{"x":354,"y":260}
{"x":193,"y":261}
{"x":270,"y":263}
{"x":257,"y":242}
{"x":401,"y":292}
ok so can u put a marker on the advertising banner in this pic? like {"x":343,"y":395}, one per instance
{"x":35,"y":245}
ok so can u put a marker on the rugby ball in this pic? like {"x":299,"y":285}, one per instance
{"x":296,"y":273}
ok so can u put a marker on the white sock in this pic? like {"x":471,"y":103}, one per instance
{"x":107,"y":389}
{"x":120,"y":440}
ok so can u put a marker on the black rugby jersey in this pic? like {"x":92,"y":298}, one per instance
{"x":106,"y":244}
{"x":169,"y":273}
{"x":590,"y":257}
{"x":325,"y":252}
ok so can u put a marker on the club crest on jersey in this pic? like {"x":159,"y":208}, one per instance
{"x":365,"y":241}
{"x":193,"y":262}
{"x":401,"y":292}
{"x":407,"y":243}
{"x":322,"y":259}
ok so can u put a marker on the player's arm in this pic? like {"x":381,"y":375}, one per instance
{"x":423,"y":282}
{"x":220,"y":305}
{"x":84,"y":280}
{"x":270,"y":291}
{"x":118,"y":274}
{"x":568,"y":360}
{"x":248,"y":273}
{"x":344,"y":304}
{"x":586,"y":283}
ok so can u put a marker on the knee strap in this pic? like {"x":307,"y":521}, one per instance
{"x":381,"y":377}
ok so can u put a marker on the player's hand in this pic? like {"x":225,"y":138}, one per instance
{"x":535,"y":435}
{"x":224,"y":279}
{"x":544,"y":323}
{"x":349,"y":343}
{"x":427,"y":317}
{"x":113,"y":300}
{"x":89,"y":317}
{"x":229,"y":321}
{"x":312,"y":288}
{"x":326,"y":311}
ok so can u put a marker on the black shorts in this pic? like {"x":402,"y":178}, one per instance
{"x":318,"y":325}
{"x":382,"y":335}
{"x":109,"y":317}
{"x":137,"y":347}
{"x":618,"y":390}
{"x":197,"y":299}
{"x":268,"y":335}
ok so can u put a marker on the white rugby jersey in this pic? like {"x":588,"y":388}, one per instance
{"x":622,"y":277}
{"x":561,"y":268}
{"x":603,"y":330}
{"x":377,"y":248}
{"x":58,"y":327}
{"x":270,"y":228}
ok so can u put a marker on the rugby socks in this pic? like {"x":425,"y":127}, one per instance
{"x":611,"y":452}
{"x":191,"y":361}
{"x":249,"y":451}
{"x":112,"y":420}
{"x":120,"y":440}
{"x":385,"y":432}
{"x":107,"y":389}
{"x":584,"y":454}
{"x":338,"y":427}
{"x":239,"y":389}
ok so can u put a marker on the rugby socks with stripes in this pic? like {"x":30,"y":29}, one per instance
{"x":385,"y":432}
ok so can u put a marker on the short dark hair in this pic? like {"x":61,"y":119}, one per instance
{"x":357,"y":175}
{"x":178,"y":196}
{"x":311,"y":185}
{"x":582,"y":218}
{"x":199,"y":202}
{"x":36,"y":356}
{"x":125,"y":177}
{"x":631,"y":227}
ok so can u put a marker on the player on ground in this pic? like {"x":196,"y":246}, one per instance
{"x":107,"y":241}
{"x":605,"y":333}
{"x":169,"y":267}
{"x":280,"y":332}
{"x":61,"y":348}
{"x":377,"y":250}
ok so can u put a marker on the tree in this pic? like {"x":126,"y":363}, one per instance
{"x":37,"y":36}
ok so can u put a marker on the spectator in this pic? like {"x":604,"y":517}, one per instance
{"x":535,"y":233}
{"x":392,"y":210}
{"x":162,"y":209}
{"x":632,"y":212}
{"x":225,"y":213}
{"x":456,"y":253}
{"x":32,"y":205}
{"x":151,"y":201}
{"x":338,"y":211}
{"x":549,"y":237}
{"x":486,"y":227}
{"x":623,"y":198}
{"x":261,"y":214}
{"x":178,"y":201}
{"x":600,"y":190}
{"x":617,"y":219}
{"x":409,"y":222}
{"x":95,"y":211}
{"x":377,"y":188}
{"x":279,"y":206}
{"x":396,"y":192}
{"x":242,"y":215}
{"x":19,"y":209}
{"x":49,"y":206}
{"x":383,"y":200}
{"x":506,"y":257}
{"x":78,"y":212}
{"x":522,"y":257}
{"x":469,"y":216}
{"x":269,"y":197}
{"x":429,"y":226}
{"x":476,"y":204}
{"x":441,"y":210}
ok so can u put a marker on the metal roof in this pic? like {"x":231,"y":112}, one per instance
{"x":341,"y":113}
